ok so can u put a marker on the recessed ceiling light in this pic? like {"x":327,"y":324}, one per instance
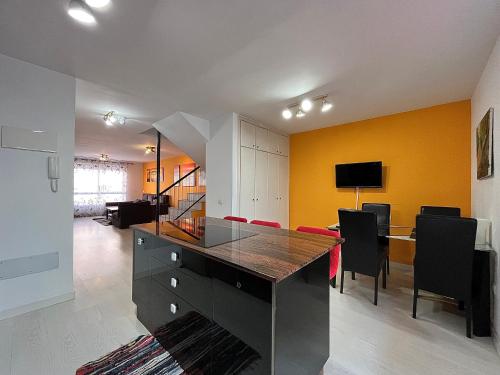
{"x":81,"y":12}
{"x":326,"y":106}
{"x":306,"y":105}
{"x":98,"y":3}
{"x":150,"y":149}
{"x":300,"y":113}
{"x":287,"y":114}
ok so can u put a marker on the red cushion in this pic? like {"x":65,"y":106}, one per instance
{"x":236,"y":218}
{"x":266,"y":223}
{"x":334,"y":252}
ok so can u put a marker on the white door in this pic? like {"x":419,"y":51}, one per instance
{"x":283,"y":191}
{"x":261,"y":172}
{"x":282,"y":144}
{"x":247,"y":183}
{"x":274,"y":187}
{"x":261,"y":139}
{"x":273,"y":143}
{"x":247,"y":134}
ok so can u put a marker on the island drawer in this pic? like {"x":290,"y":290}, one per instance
{"x":185,"y":283}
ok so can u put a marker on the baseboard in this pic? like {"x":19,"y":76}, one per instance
{"x":496,"y":339}
{"x":36,"y":305}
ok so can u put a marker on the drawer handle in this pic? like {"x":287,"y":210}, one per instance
{"x":140,"y":241}
{"x":173,"y":282}
{"x":174,"y":256}
{"x":173,"y":308}
{"x":238,"y":285}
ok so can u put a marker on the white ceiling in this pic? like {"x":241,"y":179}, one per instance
{"x":148,"y":59}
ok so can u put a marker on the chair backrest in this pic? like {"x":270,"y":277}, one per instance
{"x":360,"y":249}
{"x":316,"y":230}
{"x":440,"y":210}
{"x":383,"y":212}
{"x":272,"y":224}
{"x":235,"y":218}
{"x":444,"y":254}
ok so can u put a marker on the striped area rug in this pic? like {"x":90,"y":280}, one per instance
{"x":191,"y":345}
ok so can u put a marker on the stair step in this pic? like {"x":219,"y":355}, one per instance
{"x":184,"y":204}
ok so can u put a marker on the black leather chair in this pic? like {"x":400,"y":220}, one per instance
{"x":444,"y":259}
{"x":383,"y":212}
{"x":361,"y":251}
{"x":130,"y":213}
{"x":440,"y":210}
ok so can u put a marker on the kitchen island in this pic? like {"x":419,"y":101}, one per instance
{"x":234,"y":298}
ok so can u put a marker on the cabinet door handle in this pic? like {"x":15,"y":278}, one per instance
{"x":173,"y":282}
{"x":174,"y":256}
{"x":173,"y":308}
{"x":140,"y":241}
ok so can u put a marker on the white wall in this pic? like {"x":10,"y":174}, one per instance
{"x":135,"y":181}
{"x":486,"y":193}
{"x":33,"y":220}
{"x":221,"y":161}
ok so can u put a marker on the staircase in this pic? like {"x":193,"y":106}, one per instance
{"x":186,"y":197}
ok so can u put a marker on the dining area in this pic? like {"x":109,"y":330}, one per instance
{"x":451,"y":264}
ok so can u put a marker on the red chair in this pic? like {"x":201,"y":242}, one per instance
{"x":272,"y":224}
{"x":236,"y":218}
{"x":334,"y":252}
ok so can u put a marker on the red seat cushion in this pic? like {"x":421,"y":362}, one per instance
{"x":334,"y":252}
{"x":266,"y":223}
{"x":236,"y":218}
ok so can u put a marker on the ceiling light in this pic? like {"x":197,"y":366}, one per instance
{"x":111,"y":118}
{"x":300,"y":113}
{"x":287,"y":114}
{"x":81,"y":12}
{"x":306,"y":105}
{"x":150,"y":149}
{"x":98,"y":3}
{"x":104,"y":157}
{"x":326,"y":106}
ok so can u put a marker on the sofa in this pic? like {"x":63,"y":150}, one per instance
{"x":130,"y":213}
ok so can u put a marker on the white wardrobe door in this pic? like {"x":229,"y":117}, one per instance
{"x":247,"y":183}
{"x":282,"y":144}
{"x":273,"y":185}
{"x":283,"y":191}
{"x":247,"y":134}
{"x":261,"y":173}
{"x":261,"y":139}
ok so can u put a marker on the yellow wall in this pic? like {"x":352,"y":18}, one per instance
{"x":168,"y":165}
{"x":426,"y":156}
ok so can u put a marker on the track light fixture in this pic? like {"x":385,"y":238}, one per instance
{"x":104,"y":157}
{"x":305,"y":106}
{"x":111,"y":118}
{"x":150,"y":149}
{"x":81,"y":12}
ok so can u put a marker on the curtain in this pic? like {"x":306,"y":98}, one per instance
{"x":98,"y":182}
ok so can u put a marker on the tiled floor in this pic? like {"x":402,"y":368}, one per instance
{"x":365,"y":339}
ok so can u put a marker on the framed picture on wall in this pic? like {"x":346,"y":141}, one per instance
{"x":151,"y":175}
{"x":177,"y":173}
{"x":484,"y":146}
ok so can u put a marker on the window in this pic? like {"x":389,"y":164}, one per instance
{"x":98,"y":182}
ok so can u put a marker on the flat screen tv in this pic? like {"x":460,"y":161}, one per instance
{"x":359,"y":175}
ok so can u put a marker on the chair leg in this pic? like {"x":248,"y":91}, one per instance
{"x":333,"y":282}
{"x":415,"y":297}
{"x":468,"y":315}
{"x":387,"y":263}
{"x":354,"y":275}
{"x":342,"y":281}
{"x":384,"y":276}
{"x":375,"y":299}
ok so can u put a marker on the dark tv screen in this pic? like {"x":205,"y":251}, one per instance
{"x":359,"y":175}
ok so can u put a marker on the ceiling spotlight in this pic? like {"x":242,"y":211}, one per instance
{"x":326,"y":106}
{"x":104,"y":157}
{"x":306,"y":105}
{"x":98,"y":3}
{"x":81,"y":12}
{"x":287,"y":114}
{"x":111,"y":118}
{"x":300,"y":113}
{"x":150,"y":149}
